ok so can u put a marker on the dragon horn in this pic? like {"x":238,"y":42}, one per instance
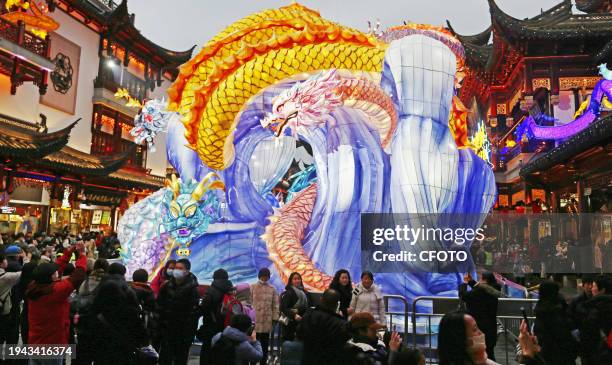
{"x":202,"y":187}
{"x":174,"y":185}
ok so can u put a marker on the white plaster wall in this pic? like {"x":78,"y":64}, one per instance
{"x":25,"y":104}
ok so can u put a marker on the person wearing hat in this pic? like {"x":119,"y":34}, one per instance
{"x":14,"y":256}
{"x":47,"y":295}
{"x":364,"y":346}
{"x":265,"y":302}
{"x":210,"y":307}
{"x":7,"y":281}
{"x":323,"y":331}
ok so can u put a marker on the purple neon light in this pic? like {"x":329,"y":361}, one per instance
{"x":603,"y":87}
{"x":561,"y":132}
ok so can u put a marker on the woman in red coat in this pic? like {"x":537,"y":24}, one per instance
{"x":49,"y":310}
{"x":162,"y":276}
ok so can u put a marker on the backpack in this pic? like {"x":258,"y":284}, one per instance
{"x":223,"y":352}
{"x":231,"y":306}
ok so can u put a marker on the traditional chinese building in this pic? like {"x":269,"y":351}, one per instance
{"x":546,"y":64}
{"x":67,"y":158}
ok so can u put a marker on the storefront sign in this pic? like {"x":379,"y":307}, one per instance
{"x":106,"y":217}
{"x":7,"y":210}
{"x":96,"y":218}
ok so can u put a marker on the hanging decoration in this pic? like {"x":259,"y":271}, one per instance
{"x":150,"y":121}
{"x":66,"y":198}
{"x":33,"y":14}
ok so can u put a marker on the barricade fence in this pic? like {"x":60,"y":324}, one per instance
{"x":418,"y":322}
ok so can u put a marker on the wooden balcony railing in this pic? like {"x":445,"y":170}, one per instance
{"x":105,"y":144}
{"x":112,"y":81}
{"x":105,"y":4}
{"x":17,"y":34}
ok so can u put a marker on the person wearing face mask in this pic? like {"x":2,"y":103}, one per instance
{"x":342,"y":284}
{"x":367,"y":297}
{"x":177,"y":305}
{"x":162,"y":276}
{"x":481,"y":302}
{"x":47,"y":295}
{"x":461,"y":342}
{"x":265,"y":303}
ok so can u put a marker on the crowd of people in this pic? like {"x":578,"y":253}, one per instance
{"x":72,"y":297}
{"x":565,"y":330}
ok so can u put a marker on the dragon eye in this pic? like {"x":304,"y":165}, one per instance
{"x":174,"y":209}
{"x":190,"y":210}
{"x":280,"y":108}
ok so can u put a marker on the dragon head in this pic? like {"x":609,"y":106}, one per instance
{"x":304,"y":104}
{"x":188,"y":208}
{"x":152,"y":119}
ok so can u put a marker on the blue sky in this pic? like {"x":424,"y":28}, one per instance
{"x":180,"y":24}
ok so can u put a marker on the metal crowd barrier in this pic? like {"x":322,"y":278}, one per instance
{"x":420,"y":326}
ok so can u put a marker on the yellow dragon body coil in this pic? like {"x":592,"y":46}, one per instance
{"x":252,"y":54}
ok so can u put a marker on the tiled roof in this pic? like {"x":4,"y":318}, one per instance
{"x":81,"y":163}
{"x":22,"y":140}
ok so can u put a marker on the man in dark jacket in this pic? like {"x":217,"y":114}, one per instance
{"x":146,"y":301}
{"x":14,"y":257}
{"x":552,"y":327}
{"x":323,"y":332}
{"x":364,"y":347}
{"x":26,"y":278}
{"x":119,"y":331}
{"x":481,"y":303}
{"x":598,"y":323}
{"x":177,"y":306}
{"x":210,"y":307}
{"x":143,"y":291}
{"x":578,"y":314}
